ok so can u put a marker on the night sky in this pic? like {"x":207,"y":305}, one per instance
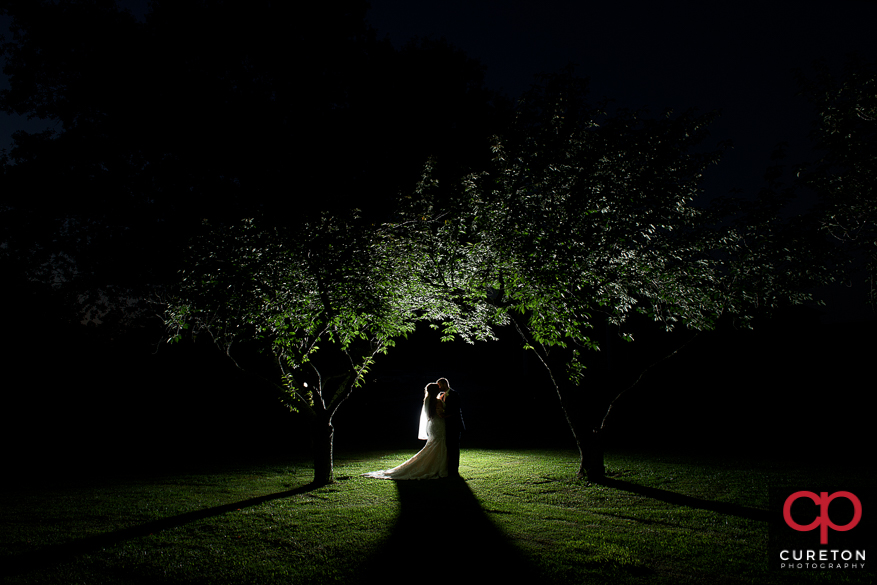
{"x":734,"y":57}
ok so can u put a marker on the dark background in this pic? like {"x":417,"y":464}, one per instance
{"x":798,"y":386}
{"x":787,"y":391}
{"x":737,"y":58}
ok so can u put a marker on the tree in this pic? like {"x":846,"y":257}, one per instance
{"x":586,"y":222}
{"x":316,"y":306}
{"x":843,"y":178}
{"x":208,"y":113}
{"x":321,"y":301}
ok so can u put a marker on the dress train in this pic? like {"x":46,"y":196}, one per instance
{"x":431,"y":462}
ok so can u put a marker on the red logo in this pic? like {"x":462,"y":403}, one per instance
{"x":823,"y":521}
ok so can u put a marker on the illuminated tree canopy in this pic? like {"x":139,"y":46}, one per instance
{"x":320,"y":301}
{"x":586,"y":220}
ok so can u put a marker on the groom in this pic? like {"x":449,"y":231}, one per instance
{"x":453,"y":425}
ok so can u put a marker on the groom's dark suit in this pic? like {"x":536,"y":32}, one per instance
{"x":453,"y":427}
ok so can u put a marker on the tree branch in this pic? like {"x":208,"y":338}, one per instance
{"x":640,"y":377}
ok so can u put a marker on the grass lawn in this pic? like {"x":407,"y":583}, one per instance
{"x":518,"y":515}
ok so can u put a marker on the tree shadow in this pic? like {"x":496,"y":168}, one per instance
{"x":56,"y":554}
{"x":683,"y":500}
{"x":443,"y":535}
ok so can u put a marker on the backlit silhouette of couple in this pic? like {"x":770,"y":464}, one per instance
{"x":440,"y":425}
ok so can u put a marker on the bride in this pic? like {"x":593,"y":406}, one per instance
{"x":431,"y":462}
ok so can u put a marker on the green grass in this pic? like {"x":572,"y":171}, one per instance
{"x":519,"y":515}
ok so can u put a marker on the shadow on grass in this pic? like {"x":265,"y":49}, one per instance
{"x":442,"y":535}
{"x":60,"y":553}
{"x":689,"y":501}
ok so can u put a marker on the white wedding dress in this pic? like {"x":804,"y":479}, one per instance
{"x":431,"y":462}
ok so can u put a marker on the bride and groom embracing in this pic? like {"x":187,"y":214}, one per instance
{"x":440,"y":425}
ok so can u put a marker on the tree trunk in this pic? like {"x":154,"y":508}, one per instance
{"x":592,"y":466}
{"x":589,"y":441}
{"x":324,"y":457}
